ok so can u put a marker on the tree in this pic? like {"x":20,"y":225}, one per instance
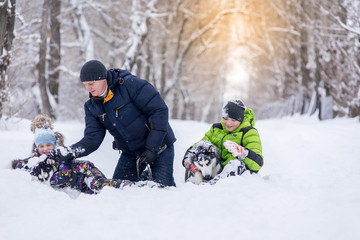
{"x":7,"y":24}
{"x":55,"y":48}
{"x":48,"y":72}
{"x":296,"y":53}
{"x":315,"y":61}
{"x":194,"y":41}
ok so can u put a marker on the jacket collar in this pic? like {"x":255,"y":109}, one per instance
{"x":108,"y":97}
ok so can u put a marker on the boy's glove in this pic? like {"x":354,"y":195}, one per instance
{"x":62,"y":154}
{"x":237,"y":151}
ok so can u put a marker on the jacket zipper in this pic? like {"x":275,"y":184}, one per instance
{"x":103,"y":116}
{"x":117,"y":110}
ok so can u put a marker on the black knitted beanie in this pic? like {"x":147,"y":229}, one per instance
{"x":93,"y":70}
{"x":234,"y":109}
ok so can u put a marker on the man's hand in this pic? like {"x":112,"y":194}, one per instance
{"x":148,"y":156}
{"x":237,"y":151}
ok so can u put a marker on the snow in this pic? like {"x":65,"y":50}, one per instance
{"x":307,"y":189}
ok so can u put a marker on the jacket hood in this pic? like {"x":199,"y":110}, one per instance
{"x":41,"y":121}
{"x":114,"y":75}
{"x":249,"y":118}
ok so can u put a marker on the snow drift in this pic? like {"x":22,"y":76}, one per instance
{"x":307,"y":189}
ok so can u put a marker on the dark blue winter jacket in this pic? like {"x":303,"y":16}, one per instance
{"x":135,"y":115}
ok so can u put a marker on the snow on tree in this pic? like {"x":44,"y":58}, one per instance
{"x":300,"y":56}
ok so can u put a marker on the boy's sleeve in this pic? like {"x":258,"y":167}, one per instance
{"x":254,"y":160}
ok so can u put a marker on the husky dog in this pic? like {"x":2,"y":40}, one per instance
{"x":205,"y":157}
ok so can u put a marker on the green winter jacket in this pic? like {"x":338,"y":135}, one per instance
{"x":251,"y":141}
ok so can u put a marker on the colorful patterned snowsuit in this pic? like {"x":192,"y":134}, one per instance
{"x":79,"y":175}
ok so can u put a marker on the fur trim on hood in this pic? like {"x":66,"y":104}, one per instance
{"x":41,"y":121}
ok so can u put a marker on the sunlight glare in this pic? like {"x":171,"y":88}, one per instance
{"x":237,"y":79}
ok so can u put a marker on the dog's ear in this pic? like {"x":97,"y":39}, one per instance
{"x":212,"y":149}
{"x":192,"y":154}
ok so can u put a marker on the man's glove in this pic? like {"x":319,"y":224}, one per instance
{"x":62,"y":154}
{"x":148,"y":157}
{"x":237,"y":151}
{"x":42,"y":171}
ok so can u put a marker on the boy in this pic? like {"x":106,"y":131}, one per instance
{"x":238,"y":141}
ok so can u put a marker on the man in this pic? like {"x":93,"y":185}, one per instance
{"x":135,"y":115}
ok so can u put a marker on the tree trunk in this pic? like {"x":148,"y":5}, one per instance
{"x":55,"y":45}
{"x":305,"y":72}
{"x":41,"y":66}
{"x":7,"y":23}
{"x":175,"y":107}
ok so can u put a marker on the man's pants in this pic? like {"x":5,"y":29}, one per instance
{"x":162,"y":168}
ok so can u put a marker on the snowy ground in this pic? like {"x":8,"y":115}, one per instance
{"x":309,"y":188}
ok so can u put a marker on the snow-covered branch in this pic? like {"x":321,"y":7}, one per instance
{"x":350,"y":29}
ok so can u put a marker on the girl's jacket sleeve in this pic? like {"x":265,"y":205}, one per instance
{"x":20,"y":164}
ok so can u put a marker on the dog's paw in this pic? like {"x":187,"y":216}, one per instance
{"x":198,"y":177}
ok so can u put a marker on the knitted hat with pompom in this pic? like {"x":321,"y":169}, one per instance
{"x":44,"y":135}
{"x":41,"y":126}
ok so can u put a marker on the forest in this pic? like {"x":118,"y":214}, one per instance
{"x":281,"y":57}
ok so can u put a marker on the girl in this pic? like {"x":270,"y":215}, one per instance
{"x":80,"y":175}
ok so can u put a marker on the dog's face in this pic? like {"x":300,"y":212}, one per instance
{"x":205,"y":157}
